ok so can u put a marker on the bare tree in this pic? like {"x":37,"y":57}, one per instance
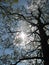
{"x":41,"y":24}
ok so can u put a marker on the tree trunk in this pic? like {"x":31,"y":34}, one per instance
{"x":44,"y":43}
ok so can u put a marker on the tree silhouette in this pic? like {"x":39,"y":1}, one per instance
{"x":40,"y":32}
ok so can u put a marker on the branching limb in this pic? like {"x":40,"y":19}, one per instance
{"x":27,"y":58}
{"x":46,"y":24}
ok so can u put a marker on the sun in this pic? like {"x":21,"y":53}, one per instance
{"x":23,"y":36}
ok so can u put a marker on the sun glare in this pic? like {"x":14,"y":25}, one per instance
{"x":23,"y":36}
{"x":21,"y":39}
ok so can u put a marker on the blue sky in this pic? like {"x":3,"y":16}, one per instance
{"x":20,"y":3}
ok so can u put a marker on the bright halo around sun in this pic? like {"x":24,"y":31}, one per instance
{"x":21,"y":39}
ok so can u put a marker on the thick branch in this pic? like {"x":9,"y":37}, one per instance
{"x":46,"y":24}
{"x":27,"y":58}
{"x":33,"y":24}
{"x":47,"y":37}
